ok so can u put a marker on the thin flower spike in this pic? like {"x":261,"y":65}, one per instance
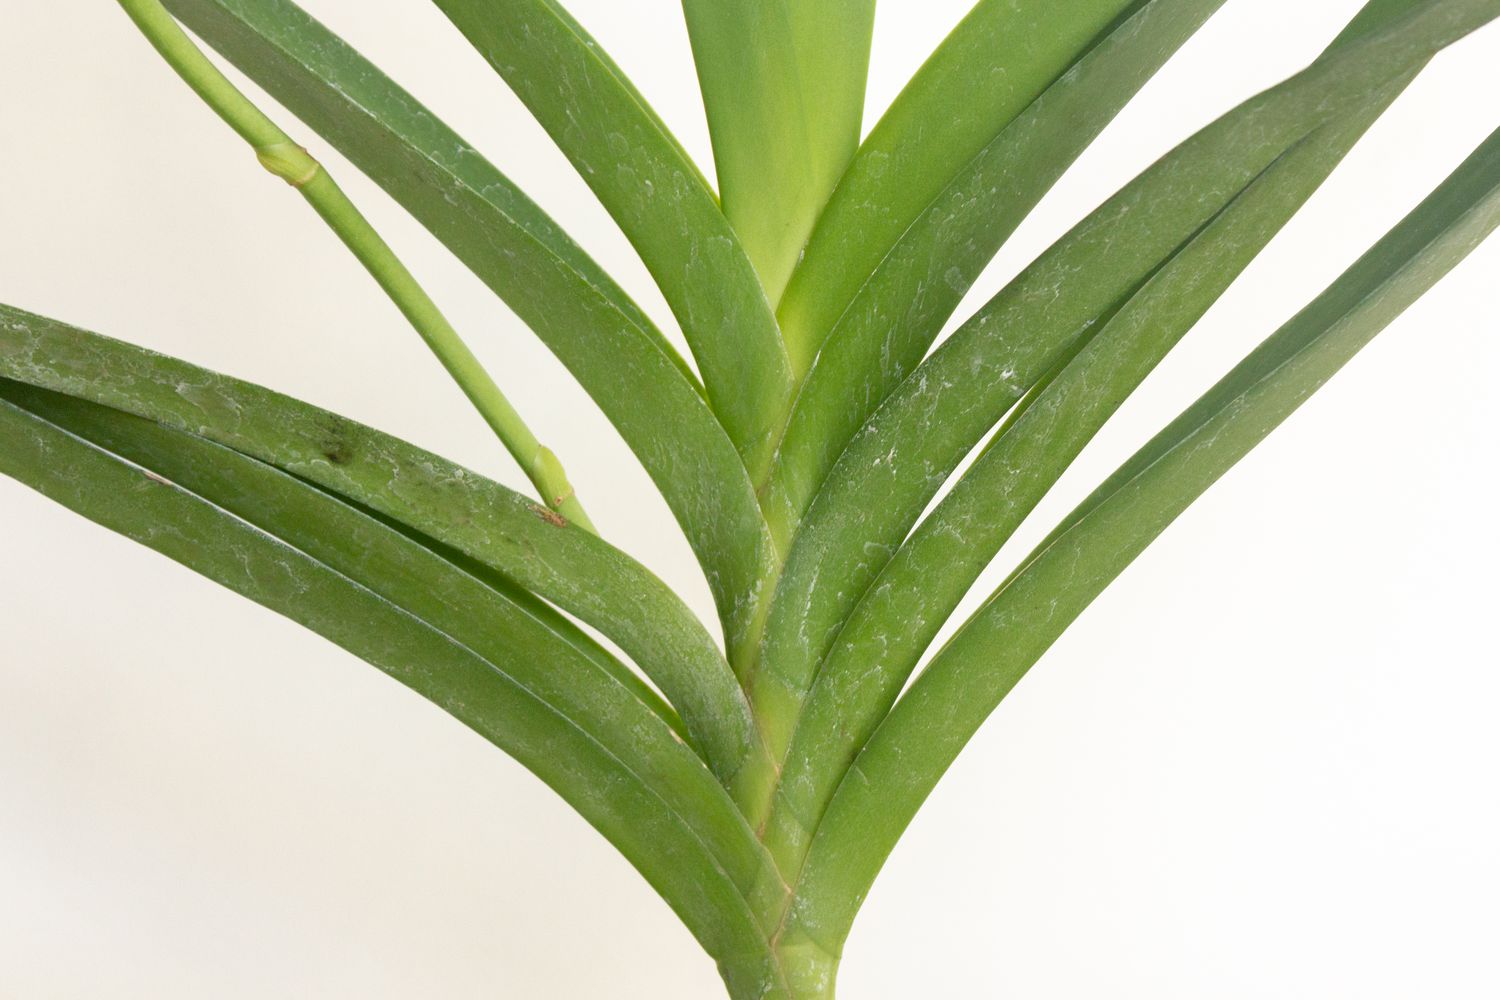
{"x":276,"y":151}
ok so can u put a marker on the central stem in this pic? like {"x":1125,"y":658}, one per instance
{"x":803,"y":972}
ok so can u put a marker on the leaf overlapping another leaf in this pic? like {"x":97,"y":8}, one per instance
{"x":608,"y":345}
{"x":484,"y":521}
{"x":999,"y":59}
{"x":784,"y":87}
{"x":760,"y":787}
{"x":883,"y":327}
{"x":656,"y":195}
{"x":914,"y":745}
{"x":508,"y":667}
{"x":1136,"y":262}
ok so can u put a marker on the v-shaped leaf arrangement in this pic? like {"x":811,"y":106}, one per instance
{"x":757,"y":784}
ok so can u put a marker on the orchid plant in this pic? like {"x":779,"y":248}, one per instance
{"x":757,"y":771}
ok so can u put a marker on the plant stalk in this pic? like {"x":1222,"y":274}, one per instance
{"x":802,"y":971}
{"x":276,"y":151}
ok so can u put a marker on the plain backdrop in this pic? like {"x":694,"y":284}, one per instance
{"x":1262,"y":765}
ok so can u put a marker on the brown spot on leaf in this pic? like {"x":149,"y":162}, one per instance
{"x":336,"y":452}
{"x":549,"y":515}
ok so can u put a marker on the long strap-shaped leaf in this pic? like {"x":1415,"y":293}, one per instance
{"x":998,"y":60}
{"x":657,"y":197}
{"x":897,"y":312}
{"x":897,"y":619}
{"x":784,"y":87}
{"x":481,"y":519}
{"x":511,"y":674}
{"x":296,"y":513}
{"x":592,"y":326}
{"x":896,"y":465}
{"x":932,"y":722}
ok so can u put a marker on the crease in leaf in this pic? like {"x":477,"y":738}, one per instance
{"x":533,"y":606}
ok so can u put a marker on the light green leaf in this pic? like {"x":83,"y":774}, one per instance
{"x":917,"y":742}
{"x":657,"y":197}
{"x":613,"y":351}
{"x":508,"y":668}
{"x":784,"y":87}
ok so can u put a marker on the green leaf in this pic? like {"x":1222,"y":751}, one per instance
{"x":917,"y":742}
{"x":895,"y":312}
{"x":613,"y":351}
{"x":1000,"y":58}
{"x":513,"y":675}
{"x":784,"y":87}
{"x":498,"y":528}
{"x":1102,"y":275}
{"x":656,"y":195}
{"x":855,"y":680}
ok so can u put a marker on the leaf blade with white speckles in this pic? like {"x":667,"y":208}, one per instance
{"x":947,"y":703}
{"x":1143,"y":266}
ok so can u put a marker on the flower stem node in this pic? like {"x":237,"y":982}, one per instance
{"x":289,"y":161}
{"x":550,"y":477}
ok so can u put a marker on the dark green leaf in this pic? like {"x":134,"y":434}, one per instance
{"x":914,"y":593}
{"x":511,"y":671}
{"x":496,"y":527}
{"x":917,"y":742}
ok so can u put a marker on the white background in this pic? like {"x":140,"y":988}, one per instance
{"x":1262,"y":765}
